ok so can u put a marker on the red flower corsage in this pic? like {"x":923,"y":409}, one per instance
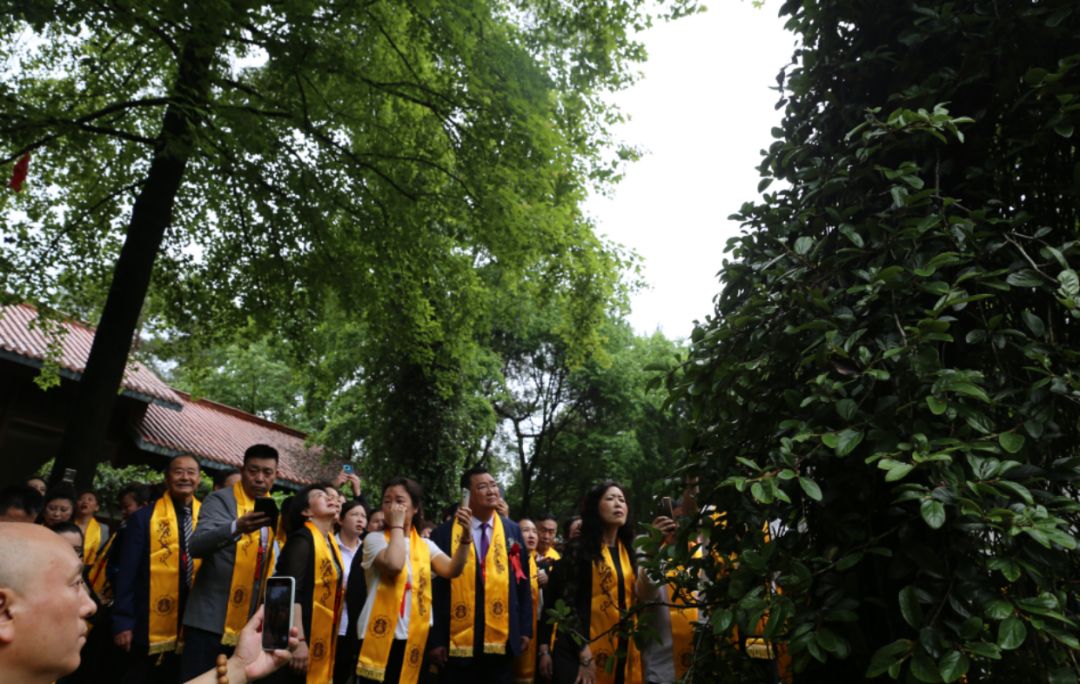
{"x":515,"y":560}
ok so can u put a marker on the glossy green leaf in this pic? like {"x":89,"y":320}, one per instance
{"x":1011,"y":633}
{"x":933,"y":512}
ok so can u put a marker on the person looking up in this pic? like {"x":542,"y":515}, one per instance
{"x":235,"y":544}
{"x":352,"y":521}
{"x":398,"y":563}
{"x":20,"y":503}
{"x":525,"y":664}
{"x":95,"y":534}
{"x":312,"y":558}
{"x":37,"y":484}
{"x":596,"y":578}
{"x":483,"y":618}
{"x":155,"y":571}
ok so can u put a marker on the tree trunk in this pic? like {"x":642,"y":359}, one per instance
{"x":84,"y":439}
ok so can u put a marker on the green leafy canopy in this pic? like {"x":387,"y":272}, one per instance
{"x":891,"y":379}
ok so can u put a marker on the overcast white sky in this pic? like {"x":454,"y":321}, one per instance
{"x":701,"y":113}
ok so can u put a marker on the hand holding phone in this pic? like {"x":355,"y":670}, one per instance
{"x":278,"y":613}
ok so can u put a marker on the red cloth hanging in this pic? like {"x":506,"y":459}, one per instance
{"x":18,"y":174}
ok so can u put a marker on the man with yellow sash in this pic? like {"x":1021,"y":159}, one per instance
{"x":154,"y":577}
{"x":236,"y":547}
{"x":483,"y":617}
{"x":95,"y":535}
{"x":547,"y":526}
{"x":670,"y":617}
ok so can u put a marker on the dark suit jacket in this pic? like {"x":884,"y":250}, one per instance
{"x":520,"y":595}
{"x":355,"y":591}
{"x":131,"y":588}
{"x":215,"y":544}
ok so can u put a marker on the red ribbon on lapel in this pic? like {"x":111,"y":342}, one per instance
{"x":515,"y":560}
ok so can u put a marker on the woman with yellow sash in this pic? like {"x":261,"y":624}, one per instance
{"x":525,"y":664}
{"x":311,"y":557}
{"x":596,"y":578}
{"x":398,"y":562}
{"x":95,"y":535}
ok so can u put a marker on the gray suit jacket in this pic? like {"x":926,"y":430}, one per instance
{"x":215,"y":544}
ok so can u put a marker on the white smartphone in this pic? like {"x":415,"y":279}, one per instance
{"x":464,"y":497}
{"x":278,"y":613}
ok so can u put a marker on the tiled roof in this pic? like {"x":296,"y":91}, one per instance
{"x":220,"y":433}
{"x":22,"y":342}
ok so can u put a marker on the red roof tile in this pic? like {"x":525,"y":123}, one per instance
{"x":24,"y":343}
{"x":221,"y":434}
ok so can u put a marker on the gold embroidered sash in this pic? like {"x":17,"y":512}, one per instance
{"x":387,"y":610}
{"x":165,"y":574}
{"x":247,"y":576}
{"x":604,"y":617}
{"x":496,"y":578}
{"x":325,"y":607}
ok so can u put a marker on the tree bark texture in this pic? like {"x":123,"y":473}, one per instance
{"x":83,"y":442}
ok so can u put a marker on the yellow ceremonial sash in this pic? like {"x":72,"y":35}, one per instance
{"x":604,"y":617}
{"x":496,"y":597}
{"x":525,"y":664}
{"x":552,"y":554}
{"x":683,"y":620}
{"x":91,"y":542}
{"x":97,"y":578}
{"x":165,"y":574}
{"x":244,"y":579}
{"x":325,"y":607}
{"x":386,"y":610}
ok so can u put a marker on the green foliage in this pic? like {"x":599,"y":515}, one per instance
{"x":891,"y":375}
{"x":396,"y":169}
{"x":602,"y":419}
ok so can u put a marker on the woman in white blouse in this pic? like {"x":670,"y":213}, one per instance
{"x":398,"y":563}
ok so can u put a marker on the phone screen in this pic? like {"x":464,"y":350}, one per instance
{"x":265,"y":504}
{"x":666,"y":508}
{"x":347,"y":469}
{"x":278,"y":613}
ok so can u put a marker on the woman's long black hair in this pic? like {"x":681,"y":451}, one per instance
{"x":588,"y":547}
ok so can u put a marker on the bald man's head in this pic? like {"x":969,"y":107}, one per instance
{"x":23,"y":551}
{"x":43,"y":604}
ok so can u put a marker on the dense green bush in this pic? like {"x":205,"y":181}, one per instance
{"x":891,"y":377}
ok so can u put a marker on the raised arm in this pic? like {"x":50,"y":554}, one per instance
{"x":447,"y":567}
{"x":391,"y":560}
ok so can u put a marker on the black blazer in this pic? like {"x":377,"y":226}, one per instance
{"x":298,"y":561}
{"x":131,"y":582}
{"x":520,"y":594}
{"x":355,"y":591}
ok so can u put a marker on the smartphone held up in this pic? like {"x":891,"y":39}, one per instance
{"x":278,"y":613}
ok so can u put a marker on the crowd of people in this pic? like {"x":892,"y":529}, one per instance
{"x":382,"y":594}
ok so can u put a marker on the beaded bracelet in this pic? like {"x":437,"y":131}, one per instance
{"x":222,"y":669}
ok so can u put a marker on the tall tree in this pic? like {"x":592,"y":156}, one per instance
{"x":245,"y":159}
{"x":567,"y":424}
{"x":890,"y":376}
